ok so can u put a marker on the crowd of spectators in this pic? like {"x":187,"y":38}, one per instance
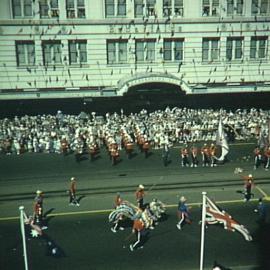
{"x":45,"y":133}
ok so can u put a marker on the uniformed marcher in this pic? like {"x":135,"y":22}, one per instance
{"x":140,"y":196}
{"x":205,"y":155}
{"x":72,"y":192}
{"x":38,"y":207}
{"x":140,"y":231}
{"x":194,"y":156}
{"x":249,"y":182}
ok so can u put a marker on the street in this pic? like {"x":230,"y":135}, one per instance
{"x":82,"y":234}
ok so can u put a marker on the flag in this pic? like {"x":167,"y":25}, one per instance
{"x":221,"y":140}
{"x":215,"y":215}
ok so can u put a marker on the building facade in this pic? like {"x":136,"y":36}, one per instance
{"x":104,"y":47}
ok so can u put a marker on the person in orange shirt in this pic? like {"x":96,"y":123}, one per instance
{"x":140,"y":196}
{"x":140,"y":231}
{"x":72,"y":192}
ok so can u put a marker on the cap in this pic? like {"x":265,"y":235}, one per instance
{"x":183,"y":199}
{"x":38,"y":191}
{"x":72,"y":179}
{"x":250,"y":175}
{"x":141,"y":186}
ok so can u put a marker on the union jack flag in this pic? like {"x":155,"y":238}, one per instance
{"x":216,"y":215}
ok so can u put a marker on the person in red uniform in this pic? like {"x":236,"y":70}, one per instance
{"x":114,"y":154}
{"x":140,"y":231}
{"x":64,"y":146}
{"x":72,"y":192}
{"x":249,"y":183}
{"x":146,"y":147}
{"x":212,"y":154}
{"x":267,"y":157}
{"x":257,"y":157}
{"x":140,"y":196}
{"x":129,"y":148}
{"x":205,"y":155}
{"x":38,"y":207}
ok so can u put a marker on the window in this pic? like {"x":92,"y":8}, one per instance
{"x":173,"y":50}
{"x":258,"y":47}
{"x":48,"y":9}
{"x":234,"y":49}
{"x":210,"y":8}
{"x":116,"y":51}
{"x":77,"y":51}
{"x":25,"y":53}
{"x":144,"y":8}
{"x":145,"y":51}
{"x":51,"y":52}
{"x":235,"y":7}
{"x":260,"y":7}
{"x":115,"y":8}
{"x":210,"y":49}
{"x":75,"y":9}
{"x":22,"y":8}
{"x":173,"y":8}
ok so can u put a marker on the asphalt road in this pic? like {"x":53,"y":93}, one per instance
{"x":83,"y":235}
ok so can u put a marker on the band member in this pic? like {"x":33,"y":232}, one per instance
{"x":249,"y":183}
{"x":114,"y":154}
{"x":257,"y":157}
{"x":72,"y":192}
{"x":140,"y":231}
{"x":194,"y":157}
{"x":205,"y":155}
{"x":267,"y":157}
{"x":212,"y":155}
{"x":129,"y":149}
{"x":183,"y":213}
{"x":146,"y":147}
{"x":38,"y":207}
{"x":184,"y":157}
{"x":140,"y":196}
{"x":92,"y":151}
{"x":64,"y":146}
{"x":78,"y":150}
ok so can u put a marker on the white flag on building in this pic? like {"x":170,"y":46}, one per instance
{"x":222,"y":141}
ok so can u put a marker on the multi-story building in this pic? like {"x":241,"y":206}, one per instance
{"x":104,"y":47}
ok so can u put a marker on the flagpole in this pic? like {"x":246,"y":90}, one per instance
{"x":21,"y":208}
{"x":203,"y":229}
